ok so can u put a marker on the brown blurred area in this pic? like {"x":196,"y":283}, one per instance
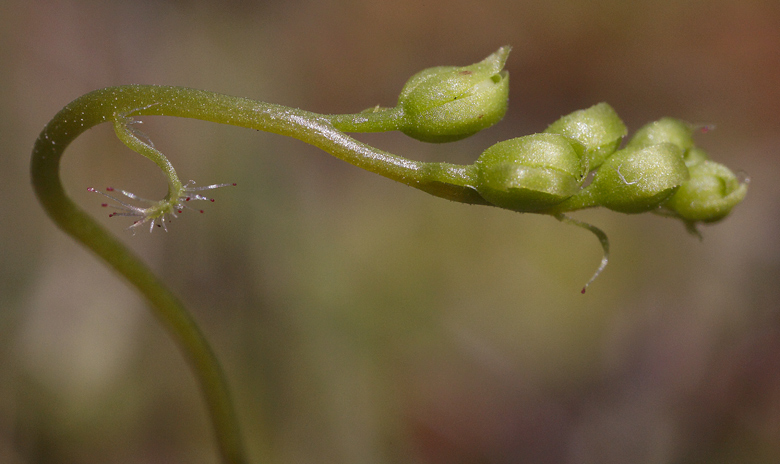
{"x":361,"y":321}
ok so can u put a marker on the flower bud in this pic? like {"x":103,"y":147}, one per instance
{"x":710,"y":194}
{"x":665,"y":130}
{"x":595,"y":132}
{"x":529,"y":173}
{"x":669,"y":130}
{"x":449,"y":103}
{"x":638,"y":180}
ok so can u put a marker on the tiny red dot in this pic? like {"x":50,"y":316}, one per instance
{"x":109,"y":189}
{"x":201,"y":211}
{"x":234,"y":185}
{"x":212,"y":200}
{"x":179,"y":211}
{"x":104,"y":205}
{"x":583,"y":291}
{"x":187,"y":199}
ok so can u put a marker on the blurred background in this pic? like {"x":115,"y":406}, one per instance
{"x":362,"y":321}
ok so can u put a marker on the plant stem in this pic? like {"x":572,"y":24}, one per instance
{"x":445,"y":180}
{"x":115,"y":105}
{"x":74,"y":119}
{"x":371,"y":120}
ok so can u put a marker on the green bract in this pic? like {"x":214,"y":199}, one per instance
{"x":595,"y":132}
{"x":449,"y":103}
{"x":529,"y":173}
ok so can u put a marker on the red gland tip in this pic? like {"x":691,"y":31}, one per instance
{"x":583,"y":290}
{"x":201,"y":211}
{"x":109,"y":189}
{"x":104,"y":205}
{"x":211,"y":199}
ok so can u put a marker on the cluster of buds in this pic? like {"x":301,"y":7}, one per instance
{"x":576,"y":162}
{"x":659,"y":170}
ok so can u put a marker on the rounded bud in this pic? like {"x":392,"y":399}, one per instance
{"x":449,"y":103}
{"x":665,"y":130}
{"x":709,"y":195}
{"x":670,"y":130}
{"x":638,"y":180}
{"x":596,"y":132}
{"x":530,"y":173}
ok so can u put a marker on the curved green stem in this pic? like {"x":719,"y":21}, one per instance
{"x":74,"y":119}
{"x":116,"y":105}
{"x":129,"y":136}
{"x":322,"y":131}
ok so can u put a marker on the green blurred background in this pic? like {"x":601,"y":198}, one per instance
{"x":360,"y":321}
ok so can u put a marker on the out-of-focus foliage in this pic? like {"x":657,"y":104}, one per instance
{"x":362,"y":321}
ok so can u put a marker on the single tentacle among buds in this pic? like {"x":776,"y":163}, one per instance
{"x":155,"y":212}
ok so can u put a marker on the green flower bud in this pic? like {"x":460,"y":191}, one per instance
{"x":638,"y":180}
{"x":449,"y":103}
{"x":529,"y":173}
{"x":710,"y":194}
{"x":595,"y":132}
{"x":670,"y":130}
{"x":666,"y":130}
